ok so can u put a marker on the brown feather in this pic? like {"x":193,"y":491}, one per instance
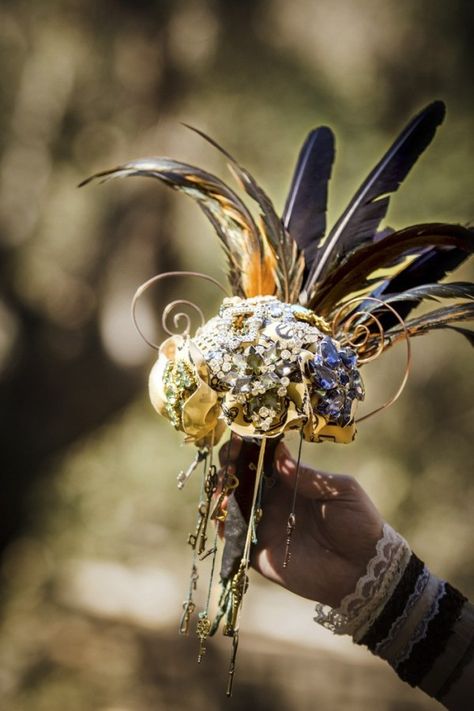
{"x":289,"y":261}
{"x":251,"y":268}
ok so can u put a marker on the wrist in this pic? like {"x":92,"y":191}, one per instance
{"x":359,"y":608}
{"x":406,"y":615}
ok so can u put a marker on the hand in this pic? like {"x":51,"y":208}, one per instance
{"x":337,"y":528}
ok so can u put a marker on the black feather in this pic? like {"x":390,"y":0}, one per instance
{"x":360,"y":220}
{"x":304,"y":215}
{"x":451,"y":290}
{"x":354,"y":274}
{"x":441,"y":318}
{"x":429,"y":268}
{"x":466,"y":332}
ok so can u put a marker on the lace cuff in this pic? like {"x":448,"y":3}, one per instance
{"x":406,"y":615}
{"x":359,"y":609}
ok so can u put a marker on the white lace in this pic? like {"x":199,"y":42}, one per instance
{"x":360,"y":608}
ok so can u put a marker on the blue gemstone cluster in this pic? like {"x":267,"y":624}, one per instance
{"x":335,"y":378}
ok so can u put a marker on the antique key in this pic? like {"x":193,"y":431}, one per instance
{"x":183,"y":476}
{"x":202,"y":630}
{"x":238,"y":589}
{"x":198,"y":539}
{"x":231,"y":482}
{"x":188,"y":609}
{"x":188,"y":605}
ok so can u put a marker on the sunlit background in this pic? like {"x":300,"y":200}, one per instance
{"x":92,"y":528}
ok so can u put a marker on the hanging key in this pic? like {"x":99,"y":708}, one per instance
{"x":230,"y":483}
{"x":188,"y":609}
{"x":198,"y":539}
{"x":202,"y":630}
{"x":183,"y":476}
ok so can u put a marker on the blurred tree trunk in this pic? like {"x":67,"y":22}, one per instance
{"x":59,"y":384}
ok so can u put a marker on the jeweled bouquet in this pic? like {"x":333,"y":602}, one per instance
{"x":262,"y":367}
{"x":306,"y":310}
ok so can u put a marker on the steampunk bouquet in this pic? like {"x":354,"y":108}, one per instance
{"x":307,"y":308}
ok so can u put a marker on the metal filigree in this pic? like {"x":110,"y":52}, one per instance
{"x":369,"y":345}
{"x":178,"y":317}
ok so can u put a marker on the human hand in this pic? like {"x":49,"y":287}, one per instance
{"x":337,"y":527}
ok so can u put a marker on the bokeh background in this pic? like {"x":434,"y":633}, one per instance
{"x":94,"y":560}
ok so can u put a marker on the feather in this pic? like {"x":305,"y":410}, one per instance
{"x":287,"y":259}
{"x":304,"y":216}
{"x":353,"y":273}
{"x":429,"y":267}
{"x":453,"y":290}
{"x":440,"y":318}
{"x":359,"y":221}
{"x":251,"y":268}
{"x":466,"y":332}
{"x":410,"y":299}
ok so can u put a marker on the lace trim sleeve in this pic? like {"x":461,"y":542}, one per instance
{"x":359,"y":609}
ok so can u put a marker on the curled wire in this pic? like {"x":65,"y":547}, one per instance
{"x":181,"y":317}
{"x":361,"y":338}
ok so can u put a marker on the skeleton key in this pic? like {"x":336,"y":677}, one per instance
{"x":238,"y":589}
{"x":202,"y":630}
{"x":188,"y":605}
{"x":199,"y":538}
{"x":194,"y":537}
{"x":231,"y":482}
{"x":188,"y":609}
{"x":183,"y":476}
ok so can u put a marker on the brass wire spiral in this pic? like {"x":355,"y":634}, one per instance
{"x":364,"y":341}
{"x":180,"y":316}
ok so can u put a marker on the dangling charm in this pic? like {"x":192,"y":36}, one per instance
{"x":239,"y":583}
{"x":238,"y":589}
{"x":230,"y":483}
{"x":188,"y":609}
{"x":189,"y":605}
{"x":197,"y":540}
{"x":202,"y":630}
{"x":183,"y":476}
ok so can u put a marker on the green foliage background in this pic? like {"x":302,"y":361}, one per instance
{"x":91,"y":526}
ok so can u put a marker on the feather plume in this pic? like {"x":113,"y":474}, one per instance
{"x":434,"y":292}
{"x":359,"y":221}
{"x":353,"y":274}
{"x":429,"y":267}
{"x":411,"y":299}
{"x":251,"y":265}
{"x":286,"y":257}
{"x":438,"y":319}
{"x":304,"y":216}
